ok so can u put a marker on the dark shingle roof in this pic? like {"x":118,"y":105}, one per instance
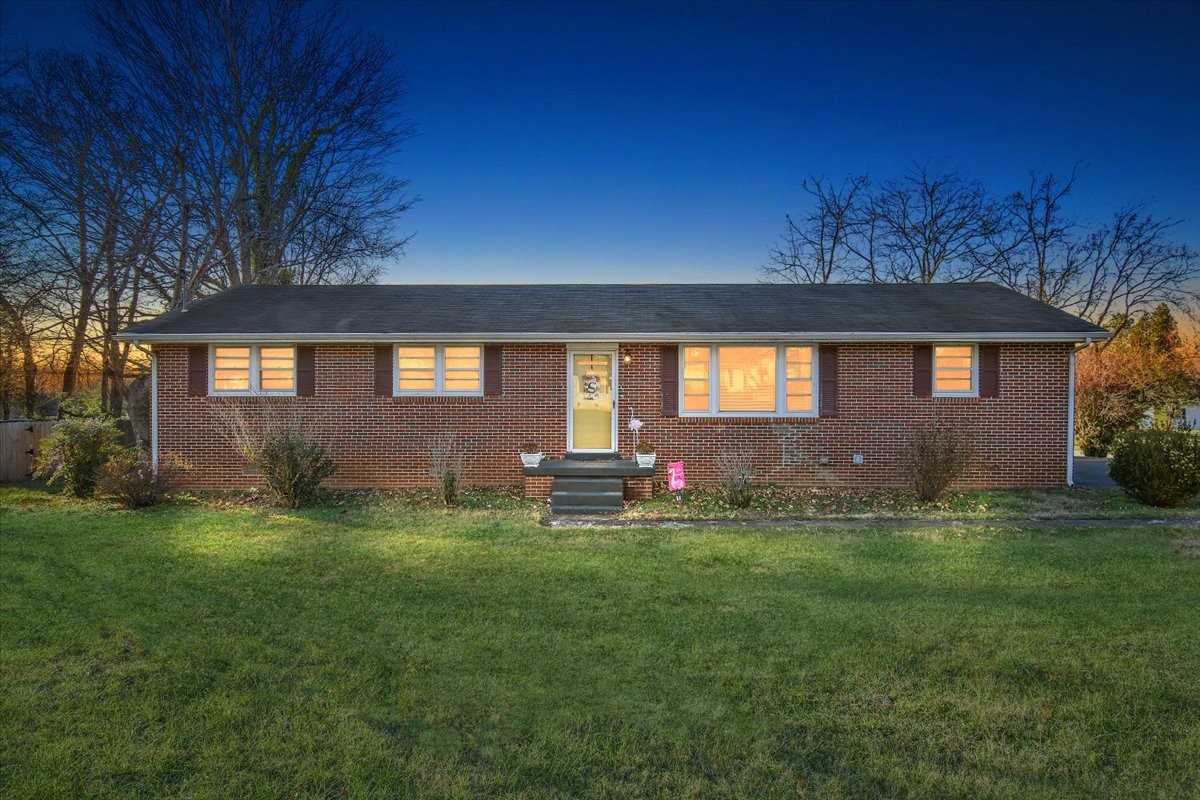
{"x":608,"y":310}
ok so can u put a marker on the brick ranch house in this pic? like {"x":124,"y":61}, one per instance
{"x":821,"y":383}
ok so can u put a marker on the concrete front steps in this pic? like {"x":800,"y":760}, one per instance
{"x":571,"y":495}
{"x":588,"y":483}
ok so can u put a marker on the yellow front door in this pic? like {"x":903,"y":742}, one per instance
{"x":591,"y":397}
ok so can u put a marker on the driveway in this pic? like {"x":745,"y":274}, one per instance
{"x":1092,"y":473}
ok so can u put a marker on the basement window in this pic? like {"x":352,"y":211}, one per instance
{"x":253,"y":369}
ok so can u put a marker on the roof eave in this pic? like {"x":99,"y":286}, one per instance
{"x":596,"y":336}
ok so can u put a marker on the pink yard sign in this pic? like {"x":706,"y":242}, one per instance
{"x":676,"y":481}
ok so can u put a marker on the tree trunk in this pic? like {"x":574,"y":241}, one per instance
{"x":137,"y":397}
{"x":29,"y":368}
{"x":78,"y":339}
{"x":104,"y":382}
{"x":116,"y":369}
{"x":86,"y":293}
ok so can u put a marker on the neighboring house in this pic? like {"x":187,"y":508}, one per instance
{"x":1187,"y":419}
{"x":821,"y":383}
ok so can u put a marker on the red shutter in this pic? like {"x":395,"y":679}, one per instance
{"x":493,"y":369}
{"x":383,"y":370}
{"x":306,"y":377}
{"x":670,"y":380}
{"x":828,"y":368}
{"x":989,"y":370}
{"x":198,"y":370}
{"x":923,"y":370}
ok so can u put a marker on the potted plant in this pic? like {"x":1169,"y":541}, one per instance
{"x":645,"y":454}
{"x":531,"y":456}
{"x":635,"y":425}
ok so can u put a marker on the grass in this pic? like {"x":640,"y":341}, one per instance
{"x":775,"y":502}
{"x":389,"y":650}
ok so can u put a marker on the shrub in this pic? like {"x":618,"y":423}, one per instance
{"x":445,"y":464}
{"x":1102,"y":413}
{"x":85,"y":404}
{"x":1113,"y":389}
{"x":645,"y":448}
{"x":131,"y":480}
{"x":75,"y":450}
{"x":1160,"y":468}
{"x":530,"y":447}
{"x":272,"y":439}
{"x":933,"y":458}
{"x":293,"y":468}
{"x":735,"y":468}
{"x":449,"y":487}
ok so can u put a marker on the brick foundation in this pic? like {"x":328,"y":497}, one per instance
{"x":1020,"y":436}
{"x":639,"y":488}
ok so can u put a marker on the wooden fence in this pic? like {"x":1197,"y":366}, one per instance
{"x":19,"y":440}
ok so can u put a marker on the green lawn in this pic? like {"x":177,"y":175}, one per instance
{"x":776,"y":502}
{"x":373,"y":650}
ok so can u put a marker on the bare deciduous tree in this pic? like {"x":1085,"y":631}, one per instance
{"x":217,"y":144}
{"x":930,"y":227}
{"x":282,"y":124}
{"x":1130,"y":264}
{"x":24,"y":318}
{"x":1034,"y":248}
{"x":933,"y":227}
{"x":62,"y":124}
{"x":821,"y":246}
{"x":1104,"y":274}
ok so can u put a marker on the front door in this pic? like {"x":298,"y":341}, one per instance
{"x":592,"y":401}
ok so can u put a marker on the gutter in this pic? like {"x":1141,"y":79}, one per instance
{"x":1071,"y":411}
{"x":657,"y":336}
{"x":153,"y":403}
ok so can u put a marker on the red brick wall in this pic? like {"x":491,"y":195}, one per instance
{"x":1020,"y":436}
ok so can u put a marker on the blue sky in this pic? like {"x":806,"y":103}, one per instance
{"x":665,"y":141}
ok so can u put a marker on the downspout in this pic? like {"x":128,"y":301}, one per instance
{"x":154,"y":403}
{"x":1071,"y":412}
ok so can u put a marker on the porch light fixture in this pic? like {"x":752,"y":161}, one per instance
{"x":627,"y":358}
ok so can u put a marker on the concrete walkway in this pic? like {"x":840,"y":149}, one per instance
{"x":580,"y":521}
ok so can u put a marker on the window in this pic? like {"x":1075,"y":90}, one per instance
{"x":748,"y":380}
{"x":417,"y":369}
{"x":231,"y":369}
{"x":259,"y":369}
{"x":695,"y":379}
{"x":800,"y":380}
{"x":277,"y":369}
{"x":461,"y":369}
{"x":955,"y":370}
{"x":439,"y":369}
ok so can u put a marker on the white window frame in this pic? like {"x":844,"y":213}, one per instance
{"x":439,"y":371}
{"x":974,"y":392}
{"x":255,"y":389}
{"x":780,"y":381}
